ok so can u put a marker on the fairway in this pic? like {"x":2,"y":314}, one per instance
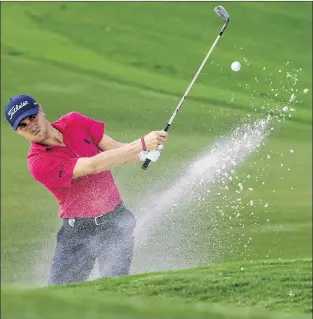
{"x":128,"y":64}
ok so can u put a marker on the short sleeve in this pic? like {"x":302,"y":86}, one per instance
{"x":95,"y":128}
{"x":53,"y":172}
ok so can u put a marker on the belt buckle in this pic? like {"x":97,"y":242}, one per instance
{"x":96,"y":222}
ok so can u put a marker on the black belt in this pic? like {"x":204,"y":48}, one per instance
{"x":98,"y":220}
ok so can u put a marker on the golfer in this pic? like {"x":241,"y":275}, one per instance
{"x":72,"y":157}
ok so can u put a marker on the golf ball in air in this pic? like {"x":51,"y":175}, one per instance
{"x":235,"y":66}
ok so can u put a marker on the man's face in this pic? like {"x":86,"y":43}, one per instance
{"x":34,"y":127}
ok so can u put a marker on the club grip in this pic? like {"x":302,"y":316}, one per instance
{"x":167,"y":127}
{"x":147,"y":161}
{"x":145,"y":164}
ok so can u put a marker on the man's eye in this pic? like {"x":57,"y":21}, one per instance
{"x":22,"y":125}
{"x":32,"y":117}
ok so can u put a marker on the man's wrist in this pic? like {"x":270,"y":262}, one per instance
{"x":142,"y":155}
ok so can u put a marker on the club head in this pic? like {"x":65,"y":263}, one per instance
{"x":220,"y":11}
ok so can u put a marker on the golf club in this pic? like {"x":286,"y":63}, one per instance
{"x":221,"y":12}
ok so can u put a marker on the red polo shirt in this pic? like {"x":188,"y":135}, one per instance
{"x":52,"y":166}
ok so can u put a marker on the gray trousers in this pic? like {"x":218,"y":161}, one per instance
{"x":83,"y":242}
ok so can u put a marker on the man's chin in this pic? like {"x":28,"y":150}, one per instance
{"x":38,"y":138}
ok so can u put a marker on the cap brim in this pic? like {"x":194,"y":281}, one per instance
{"x":33,"y":111}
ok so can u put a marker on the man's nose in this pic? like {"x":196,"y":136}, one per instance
{"x":31,"y":126}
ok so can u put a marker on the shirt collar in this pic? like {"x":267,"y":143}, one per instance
{"x":60,"y":125}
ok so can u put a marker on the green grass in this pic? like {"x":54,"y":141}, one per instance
{"x":129,"y":64}
{"x":224,"y":291}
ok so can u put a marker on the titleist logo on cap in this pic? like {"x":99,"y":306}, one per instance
{"x":17,"y":107}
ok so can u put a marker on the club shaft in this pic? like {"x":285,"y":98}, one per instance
{"x":194,"y":79}
{"x":168,"y":125}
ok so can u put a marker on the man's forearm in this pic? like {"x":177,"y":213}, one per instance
{"x":134,"y":158}
{"x":128,"y":155}
{"x":107,"y":160}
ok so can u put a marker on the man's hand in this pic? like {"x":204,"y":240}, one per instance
{"x":154,"y":139}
